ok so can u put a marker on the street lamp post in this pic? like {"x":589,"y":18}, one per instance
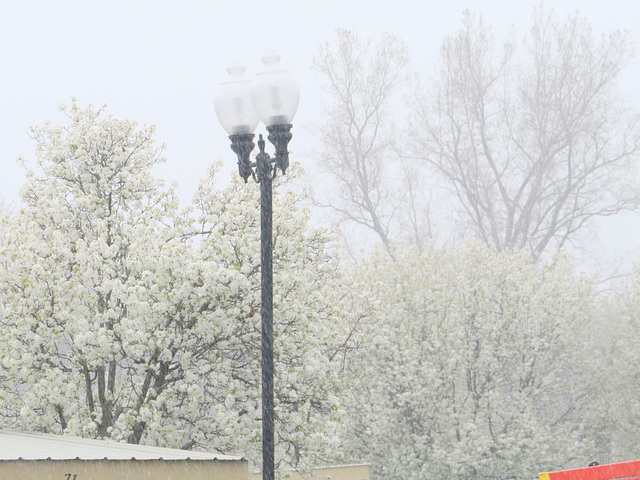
{"x":240,"y":104}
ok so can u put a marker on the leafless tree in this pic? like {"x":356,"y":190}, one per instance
{"x":531,"y":137}
{"x":357,"y":137}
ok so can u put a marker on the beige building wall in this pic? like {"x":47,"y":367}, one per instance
{"x":124,"y":470}
{"x":339,"y":472}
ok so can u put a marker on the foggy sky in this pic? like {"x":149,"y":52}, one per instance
{"x":159,"y":62}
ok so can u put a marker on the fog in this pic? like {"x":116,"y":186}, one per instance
{"x":158,"y":63}
{"x":454,"y":357}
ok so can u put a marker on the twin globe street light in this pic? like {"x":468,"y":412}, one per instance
{"x":240,"y":104}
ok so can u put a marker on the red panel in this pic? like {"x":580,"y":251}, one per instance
{"x":625,"y":470}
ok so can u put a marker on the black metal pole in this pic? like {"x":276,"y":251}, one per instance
{"x":265,"y":171}
{"x":266,"y":314}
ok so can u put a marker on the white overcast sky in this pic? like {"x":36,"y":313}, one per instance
{"x":158,"y":62}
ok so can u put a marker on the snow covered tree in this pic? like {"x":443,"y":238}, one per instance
{"x":121,"y":319}
{"x":473,"y":364}
{"x":533,"y":141}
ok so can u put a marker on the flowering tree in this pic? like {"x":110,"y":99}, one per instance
{"x":5,"y":215}
{"x":619,"y":378}
{"x":472,"y":365}
{"x":123,"y":319}
{"x":307,"y":315}
{"x":75,"y":257}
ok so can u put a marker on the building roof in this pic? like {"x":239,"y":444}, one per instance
{"x":37,"y":446}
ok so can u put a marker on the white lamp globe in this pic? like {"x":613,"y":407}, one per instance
{"x":233,"y":104}
{"x":275,"y":92}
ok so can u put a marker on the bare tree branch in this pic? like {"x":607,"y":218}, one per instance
{"x":533,"y":141}
{"x":358,"y":140}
